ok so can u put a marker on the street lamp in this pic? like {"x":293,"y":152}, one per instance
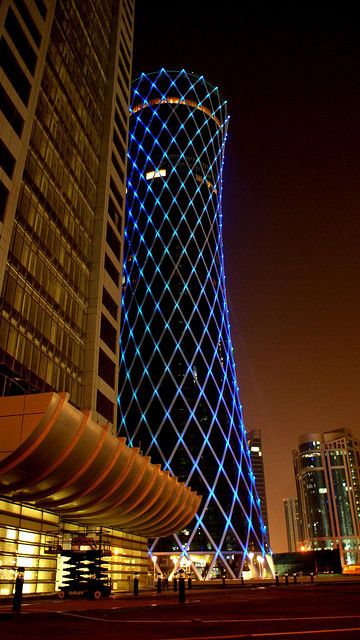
{"x":154,"y":559}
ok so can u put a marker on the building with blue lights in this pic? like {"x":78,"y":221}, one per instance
{"x":178,"y":394}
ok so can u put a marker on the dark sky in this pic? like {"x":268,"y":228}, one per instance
{"x":291,"y":74}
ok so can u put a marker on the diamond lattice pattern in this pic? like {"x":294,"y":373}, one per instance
{"x":179,"y":399}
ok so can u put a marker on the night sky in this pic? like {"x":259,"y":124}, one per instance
{"x":291,"y":74}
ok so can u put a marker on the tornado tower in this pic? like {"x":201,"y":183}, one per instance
{"x":178,"y":394}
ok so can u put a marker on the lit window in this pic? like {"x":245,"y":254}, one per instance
{"x":322,"y":490}
{"x":160,"y":173}
{"x":255,"y":449}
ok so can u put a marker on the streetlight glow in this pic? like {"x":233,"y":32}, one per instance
{"x":261,"y":561}
{"x":154,"y":559}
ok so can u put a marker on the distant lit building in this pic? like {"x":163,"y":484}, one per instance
{"x":257,"y":461}
{"x":293,"y":523}
{"x":327,"y":479}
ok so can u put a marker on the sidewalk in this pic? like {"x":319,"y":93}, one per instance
{"x":150,"y":598}
{"x":145,"y":599}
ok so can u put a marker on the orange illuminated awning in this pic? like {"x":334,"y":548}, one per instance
{"x":57,"y":458}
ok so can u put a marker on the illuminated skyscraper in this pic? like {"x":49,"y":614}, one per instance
{"x":65,"y":70}
{"x":293,"y":523}
{"x":257,"y":461}
{"x":327,"y":474}
{"x":178,"y":393}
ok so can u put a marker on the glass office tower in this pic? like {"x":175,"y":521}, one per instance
{"x":178,"y":393}
{"x":327,"y":474}
{"x":65,"y":71}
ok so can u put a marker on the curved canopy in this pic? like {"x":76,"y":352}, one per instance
{"x":57,"y":458}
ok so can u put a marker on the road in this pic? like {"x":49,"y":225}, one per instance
{"x":319,"y":611}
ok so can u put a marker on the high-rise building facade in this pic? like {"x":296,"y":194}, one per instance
{"x":65,"y":69}
{"x":178,"y":395}
{"x":293,"y":523}
{"x":257,"y":462}
{"x":327,"y":473}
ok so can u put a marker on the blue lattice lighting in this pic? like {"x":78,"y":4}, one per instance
{"x":178,"y":394}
